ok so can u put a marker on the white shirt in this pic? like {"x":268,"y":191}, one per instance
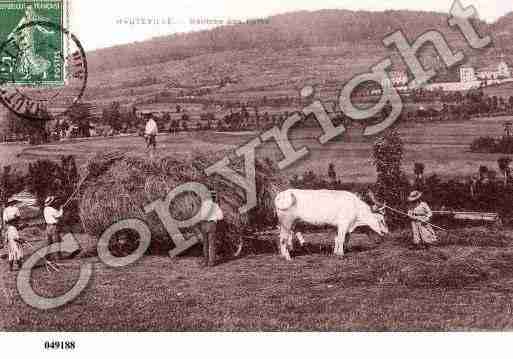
{"x":210,"y":211}
{"x":151,"y":128}
{"x":12,"y":234}
{"x":11,"y":213}
{"x":52,"y":215}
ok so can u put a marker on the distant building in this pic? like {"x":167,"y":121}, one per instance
{"x":467,"y":74}
{"x":501,"y":71}
{"x":395,"y":79}
{"x":504,"y":70}
{"x":488,"y":73}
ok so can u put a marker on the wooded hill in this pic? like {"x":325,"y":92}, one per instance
{"x":290,"y":30}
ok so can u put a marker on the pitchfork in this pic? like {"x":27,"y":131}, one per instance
{"x":49,"y":265}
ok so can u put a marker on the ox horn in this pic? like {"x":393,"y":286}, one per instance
{"x":372,"y":197}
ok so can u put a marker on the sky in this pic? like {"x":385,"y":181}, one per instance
{"x":95,"y":22}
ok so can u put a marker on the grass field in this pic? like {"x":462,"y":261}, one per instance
{"x":465,"y":283}
{"x":443,"y":147}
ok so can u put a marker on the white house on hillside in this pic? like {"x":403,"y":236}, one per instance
{"x":467,"y":74}
{"x":395,"y":79}
{"x":504,"y":70}
{"x":488,"y":73}
{"x":501,"y":71}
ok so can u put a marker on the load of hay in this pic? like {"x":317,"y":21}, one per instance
{"x":120,"y":186}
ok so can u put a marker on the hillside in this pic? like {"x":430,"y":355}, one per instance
{"x":325,"y":47}
{"x":246,"y":62}
{"x":504,"y":25}
{"x":297,"y":29}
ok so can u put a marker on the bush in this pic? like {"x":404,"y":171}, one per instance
{"x":46,"y":178}
{"x":492,"y":145}
{"x":11,"y":182}
{"x":391,"y":185}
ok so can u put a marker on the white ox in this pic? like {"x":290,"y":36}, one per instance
{"x":342,"y":209}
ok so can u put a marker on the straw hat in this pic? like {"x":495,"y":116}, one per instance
{"x":49,"y":200}
{"x":415,"y":195}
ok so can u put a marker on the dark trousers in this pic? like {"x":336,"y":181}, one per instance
{"x":151,"y":141}
{"x":208,"y":235}
{"x":52,"y":236}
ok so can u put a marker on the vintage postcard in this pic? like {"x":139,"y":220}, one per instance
{"x":301,"y":166}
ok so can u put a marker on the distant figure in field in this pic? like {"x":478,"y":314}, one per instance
{"x":150,"y":133}
{"x":421,"y":214}
{"x":332,"y":175}
{"x":420,"y":182}
{"x":474,"y":184}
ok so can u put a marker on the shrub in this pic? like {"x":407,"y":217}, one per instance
{"x":483,"y":144}
{"x":46,"y":178}
{"x":391,"y":184}
{"x":504,"y":145}
{"x":492,"y":145}
{"x":11,"y":182}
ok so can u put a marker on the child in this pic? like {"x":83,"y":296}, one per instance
{"x":10,"y":213}
{"x":420,"y":213}
{"x":14,"y":244}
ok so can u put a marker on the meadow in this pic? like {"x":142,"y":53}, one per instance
{"x":442,"y":146}
{"x":464,"y":283}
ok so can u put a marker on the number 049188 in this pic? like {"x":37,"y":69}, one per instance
{"x":60,"y":345}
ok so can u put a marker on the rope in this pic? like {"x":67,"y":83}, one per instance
{"x":411,"y":217}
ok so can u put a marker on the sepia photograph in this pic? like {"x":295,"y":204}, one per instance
{"x":329,"y":166}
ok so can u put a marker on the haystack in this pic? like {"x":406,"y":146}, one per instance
{"x":119,"y":187}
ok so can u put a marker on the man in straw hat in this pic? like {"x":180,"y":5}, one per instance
{"x":211,"y":214}
{"x":421,"y":214}
{"x":52,"y":217}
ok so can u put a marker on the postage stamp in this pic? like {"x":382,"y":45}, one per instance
{"x":43,"y":69}
{"x":32,"y":53}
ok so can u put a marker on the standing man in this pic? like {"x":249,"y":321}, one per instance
{"x":210,"y":213}
{"x":52,"y":218}
{"x":150,"y":133}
